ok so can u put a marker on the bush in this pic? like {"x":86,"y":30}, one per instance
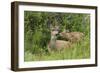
{"x":37,"y":28}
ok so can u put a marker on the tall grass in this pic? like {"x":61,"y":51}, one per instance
{"x":79,"y":50}
{"x":37,"y":35}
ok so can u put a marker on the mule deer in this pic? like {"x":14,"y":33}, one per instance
{"x":55,"y":44}
{"x":72,"y":36}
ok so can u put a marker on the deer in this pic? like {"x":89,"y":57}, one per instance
{"x":55,"y":44}
{"x":72,"y":36}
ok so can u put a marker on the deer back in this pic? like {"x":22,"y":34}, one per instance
{"x":72,"y":36}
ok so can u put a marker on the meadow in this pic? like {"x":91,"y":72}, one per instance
{"x":37,"y":35}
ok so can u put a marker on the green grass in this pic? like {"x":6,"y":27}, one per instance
{"x":37,"y":34}
{"x":80,"y":50}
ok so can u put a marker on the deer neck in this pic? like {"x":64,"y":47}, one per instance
{"x":53,"y":42}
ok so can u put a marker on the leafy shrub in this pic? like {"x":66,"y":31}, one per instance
{"x":37,"y":30}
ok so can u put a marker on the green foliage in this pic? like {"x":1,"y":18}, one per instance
{"x":37,"y":34}
{"x":79,"y":50}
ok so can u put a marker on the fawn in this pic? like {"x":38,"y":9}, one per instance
{"x":72,"y":36}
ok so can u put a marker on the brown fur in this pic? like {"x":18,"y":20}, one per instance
{"x":72,"y":36}
{"x":59,"y":45}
